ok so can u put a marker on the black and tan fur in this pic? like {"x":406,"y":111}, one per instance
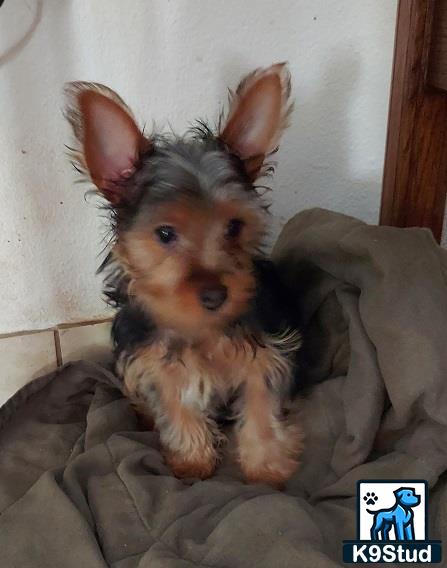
{"x":199,"y":325}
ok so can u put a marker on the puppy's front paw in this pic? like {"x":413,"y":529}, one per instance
{"x":272,"y":461}
{"x":272,"y":472}
{"x":201,"y":466}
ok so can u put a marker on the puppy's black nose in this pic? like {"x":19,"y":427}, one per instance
{"x":213,"y":297}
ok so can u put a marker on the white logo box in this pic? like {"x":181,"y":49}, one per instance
{"x":382,"y":493}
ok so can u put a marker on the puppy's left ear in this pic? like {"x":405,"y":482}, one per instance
{"x":109,"y":142}
{"x":259,"y":113}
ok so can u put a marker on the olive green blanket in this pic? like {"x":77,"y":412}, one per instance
{"x":82,"y":486}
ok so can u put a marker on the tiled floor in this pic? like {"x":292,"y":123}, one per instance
{"x":90,"y":342}
{"x":26,"y":356}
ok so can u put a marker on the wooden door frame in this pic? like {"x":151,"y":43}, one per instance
{"x":415,"y":169}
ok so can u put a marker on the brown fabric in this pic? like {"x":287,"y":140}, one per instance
{"x":81,"y":486}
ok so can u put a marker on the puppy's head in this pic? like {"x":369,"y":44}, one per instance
{"x":187,"y":217}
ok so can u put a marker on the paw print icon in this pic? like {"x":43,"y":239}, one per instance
{"x":370,"y":498}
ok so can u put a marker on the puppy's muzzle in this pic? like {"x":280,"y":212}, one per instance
{"x":212,"y":298}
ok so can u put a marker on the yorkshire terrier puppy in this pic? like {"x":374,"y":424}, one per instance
{"x":200,"y":324}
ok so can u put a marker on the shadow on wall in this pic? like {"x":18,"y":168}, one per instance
{"x":320,"y":142}
{"x":325,"y":159}
{"x":315,"y":158}
{"x":322,"y":136}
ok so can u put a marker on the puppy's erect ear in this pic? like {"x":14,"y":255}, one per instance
{"x":110,"y":142}
{"x":259,"y":112}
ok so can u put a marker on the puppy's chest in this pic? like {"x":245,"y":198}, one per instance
{"x":211,"y":373}
{"x":224,"y":362}
{"x":217,"y":365}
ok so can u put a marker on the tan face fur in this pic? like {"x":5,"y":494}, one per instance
{"x":168,"y":278}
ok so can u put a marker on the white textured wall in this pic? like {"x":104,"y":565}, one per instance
{"x":172,"y":60}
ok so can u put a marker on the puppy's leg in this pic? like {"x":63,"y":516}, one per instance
{"x":176,"y":400}
{"x":187,"y":434}
{"x":269,"y":445}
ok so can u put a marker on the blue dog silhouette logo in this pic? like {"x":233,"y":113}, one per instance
{"x":392,"y":524}
{"x":400,"y":516}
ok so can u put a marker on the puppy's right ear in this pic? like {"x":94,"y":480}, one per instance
{"x":110,"y":142}
{"x":259,"y":113}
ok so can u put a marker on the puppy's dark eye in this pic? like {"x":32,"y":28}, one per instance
{"x":166,"y":234}
{"x":234,"y":228}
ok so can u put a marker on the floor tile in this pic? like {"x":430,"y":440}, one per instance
{"x":91,"y":342}
{"x":25,"y":357}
